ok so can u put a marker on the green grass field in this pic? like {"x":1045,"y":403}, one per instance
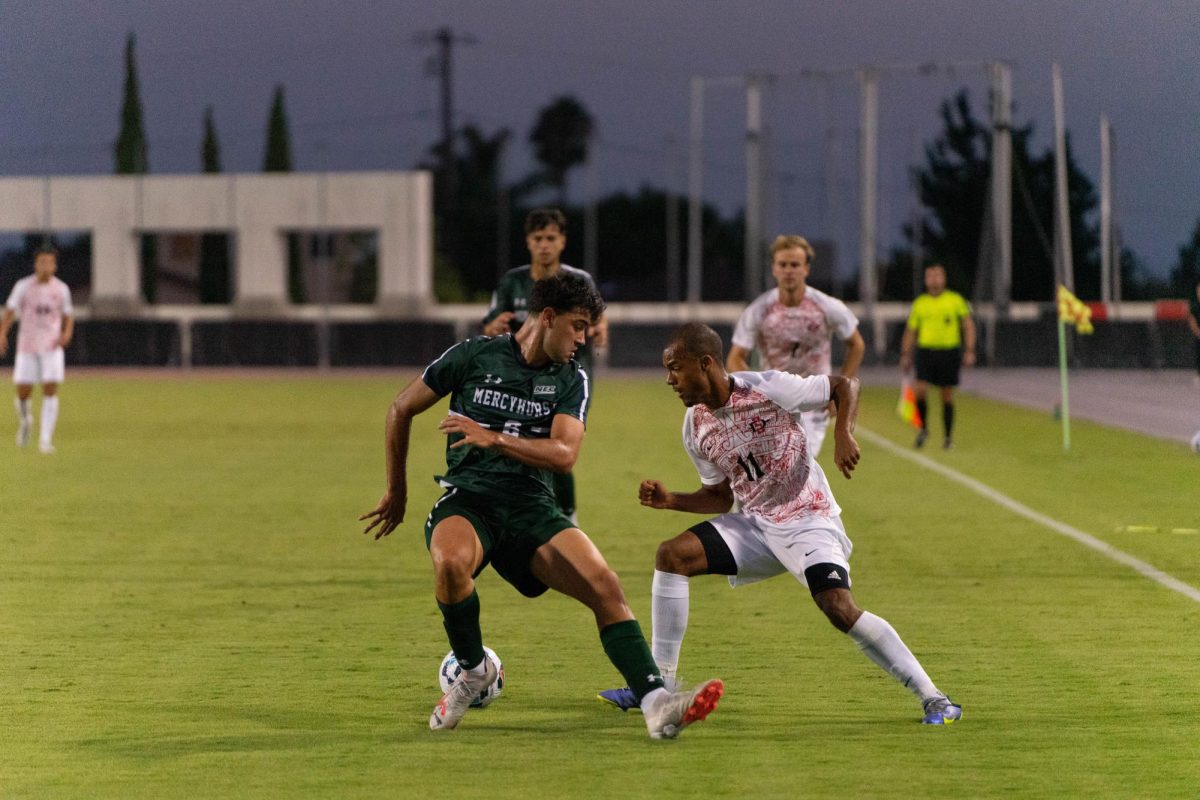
{"x":188,"y":609}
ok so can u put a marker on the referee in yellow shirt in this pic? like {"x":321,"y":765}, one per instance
{"x":941,"y":327}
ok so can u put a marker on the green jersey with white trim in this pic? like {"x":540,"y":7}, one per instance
{"x":489,"y":381}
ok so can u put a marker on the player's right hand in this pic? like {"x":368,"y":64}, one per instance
{"x":3,"y":347}
{"x":654,"y":494}
{"x":388,"y":514}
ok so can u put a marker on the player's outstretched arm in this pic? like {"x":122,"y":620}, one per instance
{"x":856,"y":347}
{"x":845,"y":448}
{"x":715,"y":499}
{"x":412,"y":400}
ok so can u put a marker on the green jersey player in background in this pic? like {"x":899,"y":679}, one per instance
{"x":518,"y":404}
{"x":546,"y":237}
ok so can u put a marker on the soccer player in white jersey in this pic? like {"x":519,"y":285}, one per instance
{"x":743,"y":434}
{"x":791,"y":327}
{"x":43,"y":304}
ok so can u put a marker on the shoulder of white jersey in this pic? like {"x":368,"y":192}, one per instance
{"x":19,"y":288}
{"x":746,"y":329}
{"x":785,"y":388}
{"x":836,"y":310}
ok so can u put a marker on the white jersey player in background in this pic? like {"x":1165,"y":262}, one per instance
{"x":791,"y":327}
{"x":742,"y":431}
{"x":43,"y":305}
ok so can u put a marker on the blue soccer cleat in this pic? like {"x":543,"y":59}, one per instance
{"x":624,"y":699}
{"x":941,"y":710}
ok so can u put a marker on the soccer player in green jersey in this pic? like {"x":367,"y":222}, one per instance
{"x":546,"y":238}
{"x":941,"y":327}
{"x":518,"y":404}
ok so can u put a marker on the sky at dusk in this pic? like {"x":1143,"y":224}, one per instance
{"x":360,"y":96}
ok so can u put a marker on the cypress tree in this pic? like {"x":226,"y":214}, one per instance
{"x":278,"y":158}
{"x":131,"y":152}
{"x":279,"y":144}
{"x":210,"y":150}
{"x":214,"y":247}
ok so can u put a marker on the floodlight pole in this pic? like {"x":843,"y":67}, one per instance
{"x":867,"y":196}
{"x":1062,"y":239}
{"x":1001,"y":75}
{"x":695,"y":192}
{"x":674,"y":251}
{"x":1106,"y":251}
{"x":752,"y":272}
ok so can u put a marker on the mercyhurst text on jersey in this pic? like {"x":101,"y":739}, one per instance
{"x":499,"y":390}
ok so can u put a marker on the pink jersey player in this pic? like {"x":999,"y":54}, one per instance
{"x":42,"y":303}
{"x":41,"y":307}
{"x":742,"y":432}
{"x":792,"y":326}
{"x":757,"y":442}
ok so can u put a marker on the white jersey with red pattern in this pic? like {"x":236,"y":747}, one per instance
{"x":40,"y":307}
{"x":756,"y":442}
{"x":794,"y":339}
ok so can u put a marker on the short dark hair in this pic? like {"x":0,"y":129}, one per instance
{"x":566,"y":292}
{"x":543,"y":218}
{"x":697,"y":339}
{"x":46,"y":248}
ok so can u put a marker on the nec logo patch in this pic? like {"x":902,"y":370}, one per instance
{"x":544,"y":390}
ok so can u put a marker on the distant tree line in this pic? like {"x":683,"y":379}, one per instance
{"x":478,"y":216}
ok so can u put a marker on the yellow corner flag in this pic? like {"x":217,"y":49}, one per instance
{"x":907,"y":406}
{"x":1074,"y":311}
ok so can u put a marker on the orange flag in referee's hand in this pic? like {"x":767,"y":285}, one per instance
{"x":907,"y":406}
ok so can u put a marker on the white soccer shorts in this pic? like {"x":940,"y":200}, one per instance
{"x":31,"y":368}
{"x":763,"y":550}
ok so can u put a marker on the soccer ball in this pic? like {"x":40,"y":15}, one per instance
{"x":1194,"y":442}
{"x":450,"y":670}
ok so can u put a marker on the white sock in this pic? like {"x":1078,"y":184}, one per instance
{"x":24,"y":410}
{"x":49,"y":419}
{"x":879,"y":642}
{"x":668,"y":620}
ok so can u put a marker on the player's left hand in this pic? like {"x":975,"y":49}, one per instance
{"x":387,"y":515}
{"x":969,"y":358}
{"x":845,"y":453}
{"x":472,"y":432}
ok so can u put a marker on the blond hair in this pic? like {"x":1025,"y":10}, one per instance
{"x":791,"y":241}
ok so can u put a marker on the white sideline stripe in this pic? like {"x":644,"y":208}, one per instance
{"x":1141,"y":567}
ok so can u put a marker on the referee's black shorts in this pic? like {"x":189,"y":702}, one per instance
{"x":939,"y":367}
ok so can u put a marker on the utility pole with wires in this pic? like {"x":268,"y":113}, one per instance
{"x":441,"y":66}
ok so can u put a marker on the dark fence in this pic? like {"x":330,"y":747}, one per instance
{"x":158,"y":343}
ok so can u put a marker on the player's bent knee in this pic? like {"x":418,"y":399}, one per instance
{"x":452,"y":566}
{"x":683,"y":555}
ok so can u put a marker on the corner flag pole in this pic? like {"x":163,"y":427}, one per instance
{"x":1065,"y":413}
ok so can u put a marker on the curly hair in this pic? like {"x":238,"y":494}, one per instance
{"x":565,"y":292}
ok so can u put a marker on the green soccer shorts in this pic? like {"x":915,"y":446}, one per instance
{"x":510,"y":529}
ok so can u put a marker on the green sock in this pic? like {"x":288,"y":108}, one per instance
{"x":461,"y":621}
{"x":626,"y":648}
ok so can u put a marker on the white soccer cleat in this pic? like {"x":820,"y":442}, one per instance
{"x":46,"y":448}
{"x":24,"y":427}
{"x":457,"y":699}
{"x":674,"y":712}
